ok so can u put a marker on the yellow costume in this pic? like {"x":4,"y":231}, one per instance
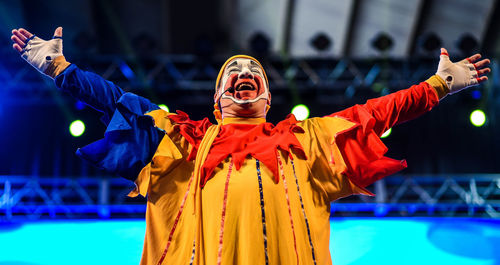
{"x":243,"y":211}
{"x":244,"y":216}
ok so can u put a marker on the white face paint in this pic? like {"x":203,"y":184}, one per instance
{"x":243,"y":81}
{"x":243,"y":89}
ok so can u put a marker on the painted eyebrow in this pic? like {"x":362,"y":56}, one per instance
{"x":254,"y":64}
{"x":232,"y":64}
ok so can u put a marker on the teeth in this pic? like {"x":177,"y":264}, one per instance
{"x":245,"y":86}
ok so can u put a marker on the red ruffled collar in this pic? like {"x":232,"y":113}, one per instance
{"x":260,"y":141}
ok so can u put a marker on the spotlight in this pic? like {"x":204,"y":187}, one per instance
{"x":259,"y":43}
{"x":430,"y":42}
{"x":478,"y":118}
{"x":321,"y":42}
{"x":79,"y":105}
{"x":382,"y":42}
{"x":387,"y":133}
{"x":127,"y":71}
{"x":164,"y":107}
{"x":476,"y":94}
{"x":77,"y":128}
{"x":467,"y":44}
{"x":301,"y":112}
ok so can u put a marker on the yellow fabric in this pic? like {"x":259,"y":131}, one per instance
{"x":57,"y":66}
{"x":243,"y":121}
{"x":319,"y":179}
{"x":439,"y":86}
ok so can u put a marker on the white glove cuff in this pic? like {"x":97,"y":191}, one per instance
{"x":40,"y":53}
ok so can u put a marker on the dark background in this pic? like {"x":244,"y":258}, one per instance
{"x":194,"y":38}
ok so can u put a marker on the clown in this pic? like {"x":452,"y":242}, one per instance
{"x":242,"y":191}
{"x":242,"y":89}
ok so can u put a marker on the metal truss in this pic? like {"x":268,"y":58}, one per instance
{"x":67,"y":198}
{"x":436,"y":195}
{"x":30,"y":198}
{"x":164,"y":73}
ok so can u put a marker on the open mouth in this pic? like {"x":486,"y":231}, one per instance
{"x":245,"y":87}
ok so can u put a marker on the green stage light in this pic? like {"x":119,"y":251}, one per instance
{"x":387,"y":133}
{"x":77,"y":128}
{"x":478,"y":118}
{"x":301,"y":112}
{"x":164,"y":107}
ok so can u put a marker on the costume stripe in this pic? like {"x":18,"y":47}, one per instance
{"x":280,"y":163}
{"x":224,"y":203}
{"x":304,"y":212}
{"x":264,"y":229}
{"x":192,"y":255}
{"x":171,"y":235}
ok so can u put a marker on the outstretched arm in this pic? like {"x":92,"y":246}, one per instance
{"x":410,"y":103}
{"x":131,"y":137}
{"x":47,"y":57}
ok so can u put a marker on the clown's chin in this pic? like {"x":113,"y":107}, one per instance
{"x":245,"y":105}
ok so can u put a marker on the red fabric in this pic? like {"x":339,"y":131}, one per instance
{"x":193,"y":131}
{"x":239,"y":141}
{"x":261,"y":141}
{"x":361,"y":147}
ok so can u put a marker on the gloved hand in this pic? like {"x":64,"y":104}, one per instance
{"x":463,"y":74}
{"x":37,"y":52}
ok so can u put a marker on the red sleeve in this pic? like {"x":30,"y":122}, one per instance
{"x":361,"y":148}
{"x":380,"y":114}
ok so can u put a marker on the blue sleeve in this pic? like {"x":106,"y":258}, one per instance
{"x":131,"y":137}
{"x":90,"y":88}
{"x":130,"y":140}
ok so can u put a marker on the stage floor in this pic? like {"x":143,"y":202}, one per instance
{"x":353,"y":241}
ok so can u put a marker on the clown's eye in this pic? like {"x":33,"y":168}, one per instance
{"x":233,"y":70}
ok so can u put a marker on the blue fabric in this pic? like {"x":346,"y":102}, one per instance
{"x":90,"y":88}
{"x":131,"y":138}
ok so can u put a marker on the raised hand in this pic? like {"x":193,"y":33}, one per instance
{"x":463,"y":74}
{"x":37,"y":52}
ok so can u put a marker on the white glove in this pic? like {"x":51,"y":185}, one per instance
{"x":462,"y":74}
{"x":37,"y":52}
{"x":40,"y":53}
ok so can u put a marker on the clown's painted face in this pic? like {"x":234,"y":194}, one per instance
{"x":243,"y":89}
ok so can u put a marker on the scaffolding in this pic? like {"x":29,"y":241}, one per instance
{"x":35,"y":198}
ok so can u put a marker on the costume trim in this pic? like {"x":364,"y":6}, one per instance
{"x":174,"y":226}
{"x":192,"y":253}
{"x":263,"y":213}
{"x":280,"y":163}
{"x":303,"y":212}
{"x":439,"y":86}
{"x":223,"y":218}
{"x":57,"y":66}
